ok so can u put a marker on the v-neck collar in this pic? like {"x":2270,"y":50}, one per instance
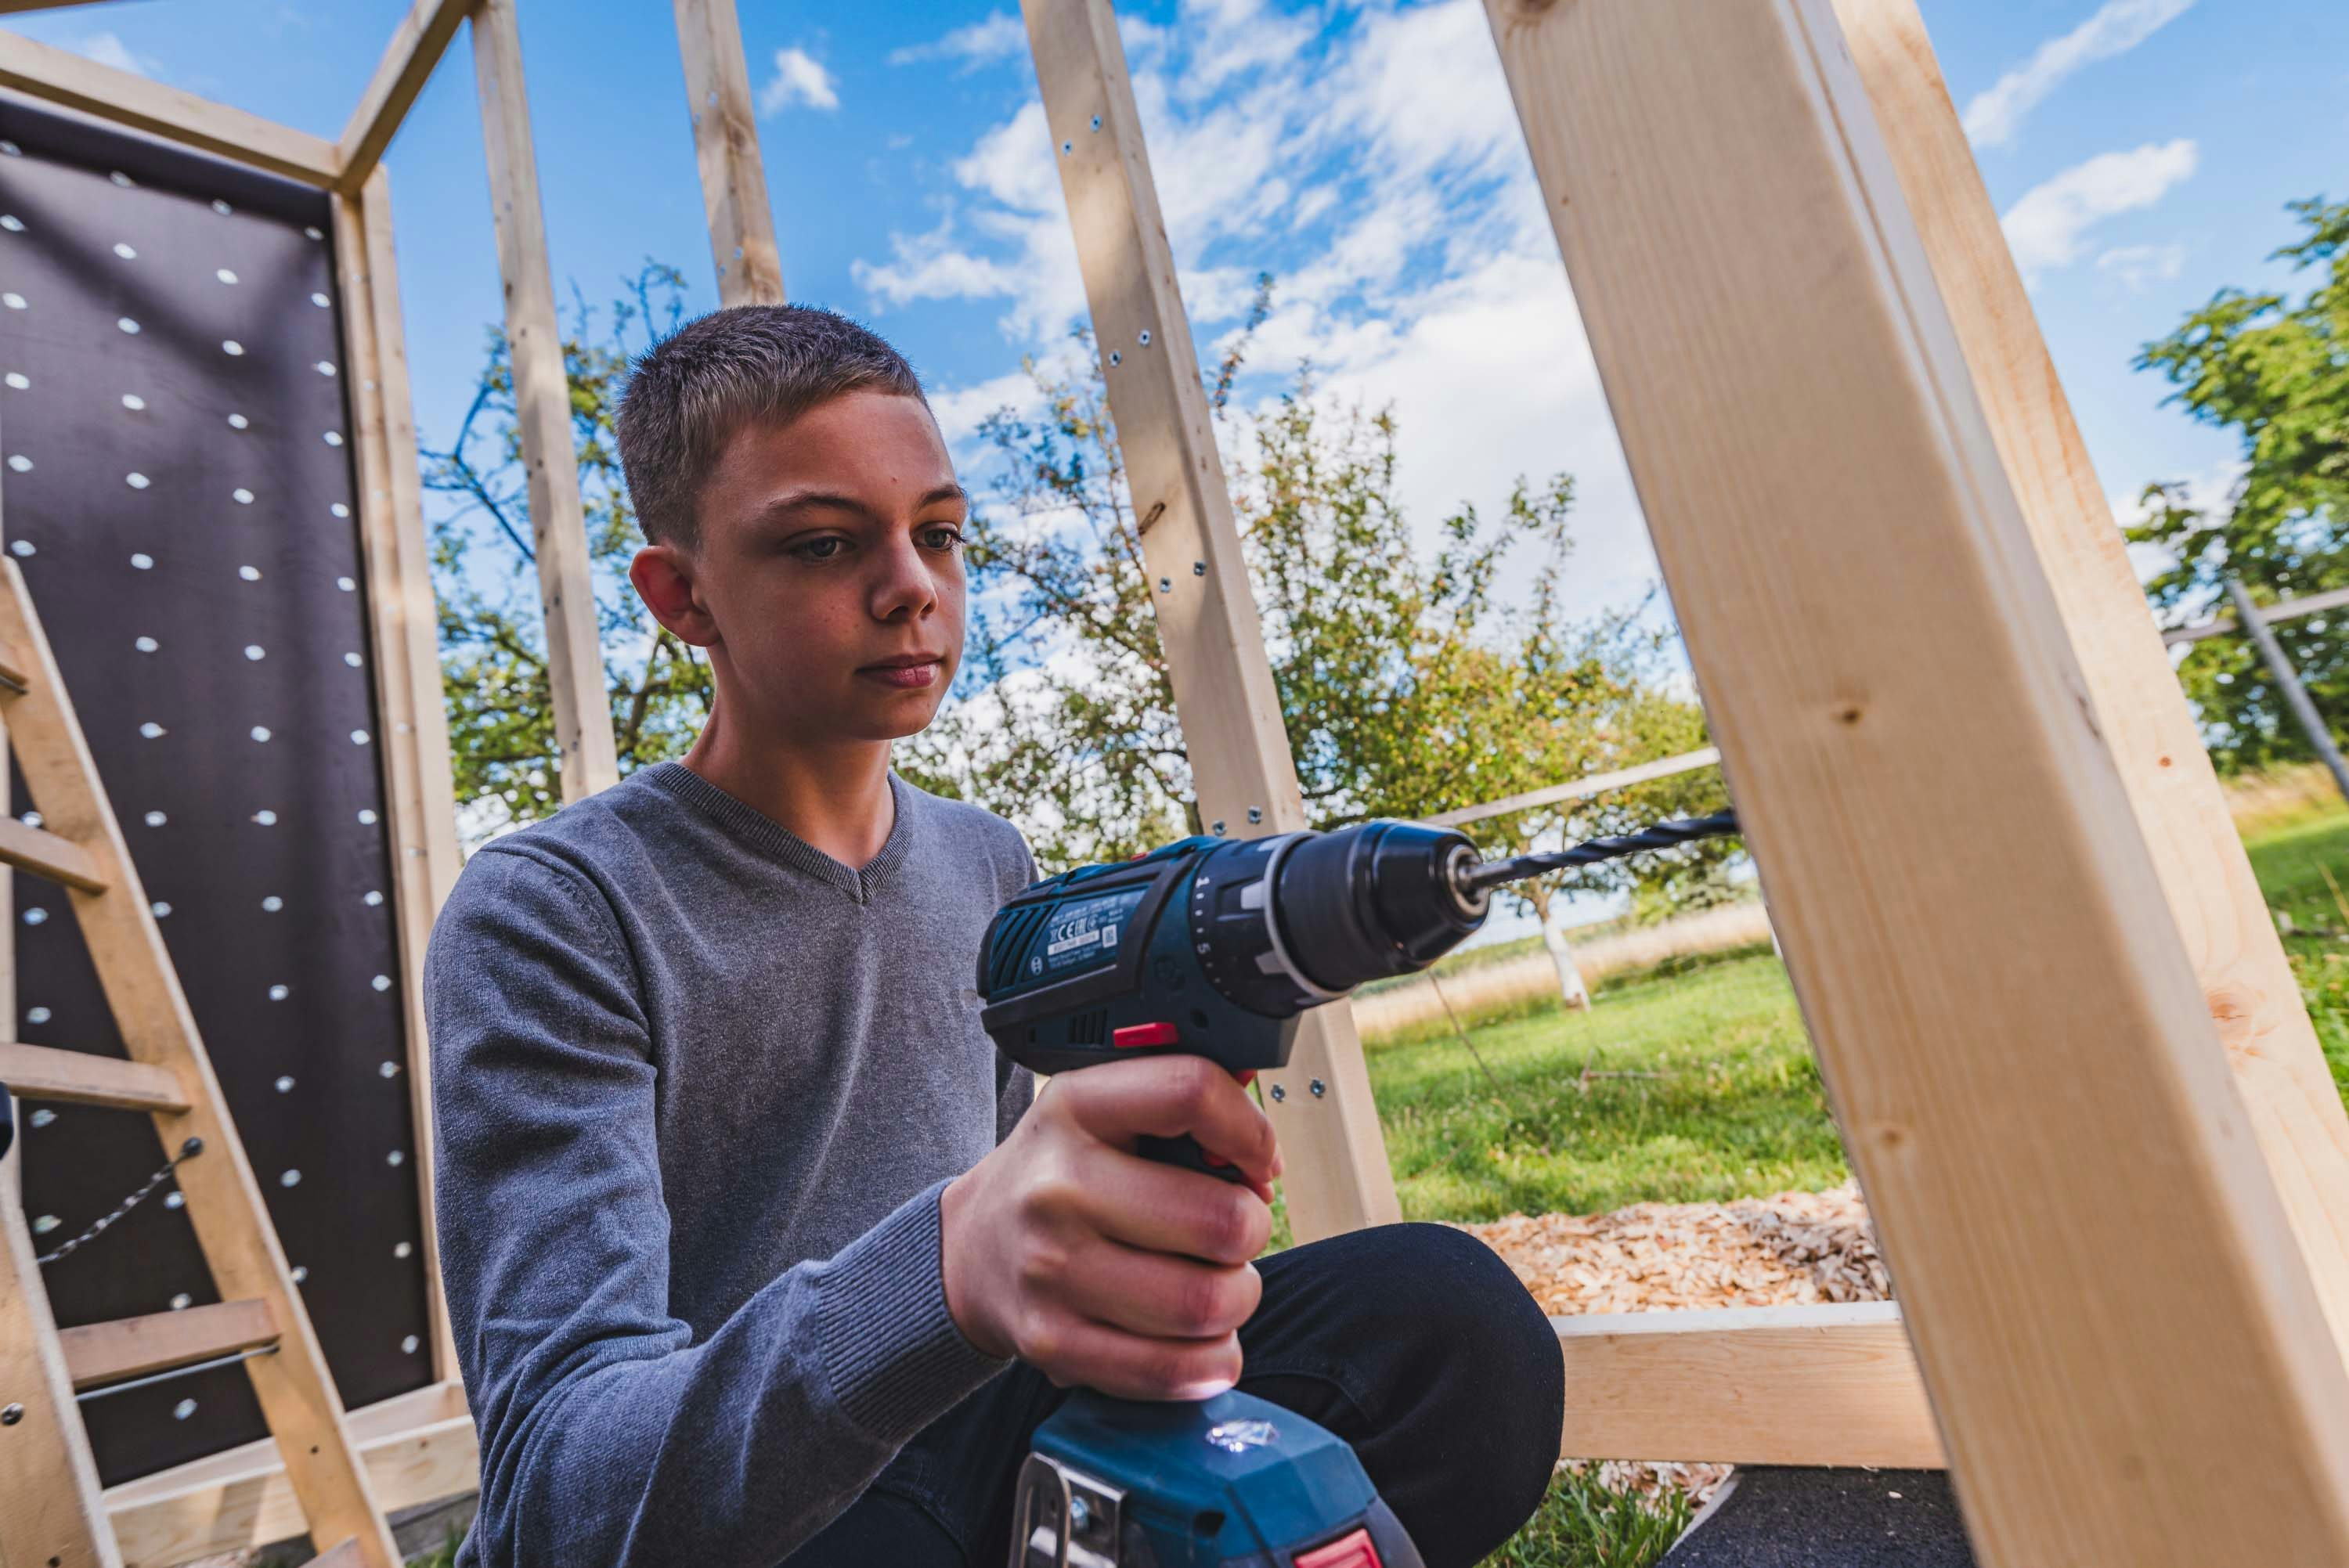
{"x":752,"y":826}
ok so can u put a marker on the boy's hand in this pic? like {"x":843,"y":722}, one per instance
{"x":1098,"y":1267}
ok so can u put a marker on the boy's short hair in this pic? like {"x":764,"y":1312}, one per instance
{"x":691,"y":391}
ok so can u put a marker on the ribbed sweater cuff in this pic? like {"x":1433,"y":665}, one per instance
{"x":895,"y":1358}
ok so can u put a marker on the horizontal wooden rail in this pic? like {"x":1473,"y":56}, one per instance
{"x":134,"y":1347}
{"x":418,"y":1448}
{"x":82,"y":1077}
{"x":60,"y":77}
{"x":43,"y":853}
{"x":1579,"y":789}
{"x":1832,"y":1385}
{"x":2284,"y":610}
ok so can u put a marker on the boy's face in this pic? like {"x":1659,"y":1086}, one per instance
{"x":828,"y":579}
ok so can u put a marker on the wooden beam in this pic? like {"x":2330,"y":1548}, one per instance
{"x":61,"y":77}
{"x":295,"y":1390}
{"x":1337,"y":1177}
{"x":82,"y":1077}
{"x":409,"y":60}
{"x":2282,"y":610}
{"x":2125,"y":1353}
{"x":417,"y":784}
{"x":20,"y":7}
{"x":418,"y":1448}
{"x":101,"y":1353}
{"x":46,"y":854}
{"x":12,"y":674}
{"x":54,"y":1513}
{"x":574,"y":655}
{"x":1580,"y":788}
{"x":2173,"y":790}
{"x":1828,"y":1385}
{"x":726,"y":146}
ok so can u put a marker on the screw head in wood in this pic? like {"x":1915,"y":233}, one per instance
{"x":1145,"y":337}
{"x":1096,"y":122}
{"x":1117,"y":356}
{"x":1319,"y":1088}
{"x":1218,"y":828}
{"x":12,"y":1415}
{"x":1256,"y":813}
{"x":1198,"y":569}
{"x":1279,"y":1092}
{"x":1166,"y":584}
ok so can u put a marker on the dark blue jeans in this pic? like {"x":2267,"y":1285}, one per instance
{"x":1414,"y":1343}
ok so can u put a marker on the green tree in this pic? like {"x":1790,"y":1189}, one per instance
{"x":2277,"y":370}
{"x":484,"y":573}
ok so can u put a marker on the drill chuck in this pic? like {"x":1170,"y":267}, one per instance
{"x":1373,"y":901}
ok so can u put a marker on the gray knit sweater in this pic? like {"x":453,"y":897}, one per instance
{"x":696,"y":1087}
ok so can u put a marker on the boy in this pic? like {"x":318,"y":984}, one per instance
{"x":743,"y":1221}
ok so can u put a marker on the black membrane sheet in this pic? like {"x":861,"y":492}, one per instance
{"x":178,"y":491}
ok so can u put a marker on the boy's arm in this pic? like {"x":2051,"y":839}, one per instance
{"x":607,"y":1436}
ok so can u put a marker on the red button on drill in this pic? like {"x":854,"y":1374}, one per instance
{"x":1138,"y":1034}
{"x":1351,"y":1551}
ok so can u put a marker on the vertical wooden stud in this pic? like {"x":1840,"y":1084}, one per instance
{"x":1337,"y":1177}
{"x":726,"y":146}
{"x":2126,"y":1355}
{"x":2246,"y":979}
{"x":574,"y":655}
{"x":407,"y":656}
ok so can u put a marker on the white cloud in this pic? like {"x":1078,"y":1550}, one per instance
{"x":800,"y":78}
{"x":2048,"y":224}
{"x":1000,"y":37}
{"x":108,"y":49}
{"x":2137,"y":267}
{"x":1995,"y":115}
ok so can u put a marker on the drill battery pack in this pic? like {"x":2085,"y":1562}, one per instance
{"x":1229,"y":1483}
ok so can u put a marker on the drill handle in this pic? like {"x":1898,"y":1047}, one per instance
{"x":1186,"y":1152}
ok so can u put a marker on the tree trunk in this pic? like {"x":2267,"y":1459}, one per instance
{"x":1570,"y":988}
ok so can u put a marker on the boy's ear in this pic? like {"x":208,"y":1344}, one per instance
{"x":664,"y":577}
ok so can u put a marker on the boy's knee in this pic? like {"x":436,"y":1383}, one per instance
{"x":1477,"y":1324}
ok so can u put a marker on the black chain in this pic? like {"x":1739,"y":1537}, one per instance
{"x":188,"y":1150}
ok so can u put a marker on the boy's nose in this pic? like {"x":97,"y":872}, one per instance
{"x":903,"y":587}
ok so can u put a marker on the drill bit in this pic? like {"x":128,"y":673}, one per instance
{"x":1663,"y":836}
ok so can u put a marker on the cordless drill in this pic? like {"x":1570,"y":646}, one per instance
{"x":1215,"y":947}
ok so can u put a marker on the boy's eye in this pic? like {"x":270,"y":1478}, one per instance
{"x":942,"y":536}
{"x":817,"y":549}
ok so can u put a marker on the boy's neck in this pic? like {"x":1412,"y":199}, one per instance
{"x":836,"y":798}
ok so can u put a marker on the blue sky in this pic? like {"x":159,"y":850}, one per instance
{"x":1364,"y":153}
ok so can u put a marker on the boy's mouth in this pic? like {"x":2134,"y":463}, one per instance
{"x":908,"y":671}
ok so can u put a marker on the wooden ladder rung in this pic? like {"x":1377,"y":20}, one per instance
{"x":134,"y":1347}
{"x":43,"y":853}
{"x":77,"y":1077}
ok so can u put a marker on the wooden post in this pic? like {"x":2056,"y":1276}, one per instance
{"x":726,"y":146}
{"x":1320,"y":1104}
{"x":2213,"y":897}
{"x":55,"y":1513}
{"x":409,"y":60}
{"x":2295,"y":695}
{"x":2126,"y":1356}
{"x":417,"y":785}
{"x":574,"y":655}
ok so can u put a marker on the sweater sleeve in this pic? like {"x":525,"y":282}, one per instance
{"x":608,"y":1435}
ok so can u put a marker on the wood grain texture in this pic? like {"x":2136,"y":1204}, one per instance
{"x":50,"y":855}
{"x":1830,"y":1385}
{"x":100,"y":1353}
{"x":80,"y":1077}
{"x":2126,"y":1358}
{"x":2246,"y":981}
{"x":50,"y":1507}
{"x":409,"y":60}
{"x":151,"y":1012}
{"x":62,"y":78}
{"x":1337,"y":1176}
{"x":418,"y":1448}
{"x":417,"y":784}
{"x":574,"y":656}
{"x":726,"y":147}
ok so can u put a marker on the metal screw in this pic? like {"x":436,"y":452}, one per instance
{"x":1218,"y":828}
{"x":1096,"y":122}
{"x":1319,"y":1088}
{"x":1166,"y":584}
{"x":12,"y":1415}
{"x":1198,"y":569}
{"x":1117,"y":356}
{"x":1067,"y":147}
{"x":1279,"y":1092}
{"x":1256,"y":813}
{"x":1145,"y":337}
